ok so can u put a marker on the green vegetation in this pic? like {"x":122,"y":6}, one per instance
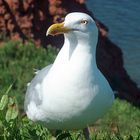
{"x":17,"y":66}
{"x":18,"y":63}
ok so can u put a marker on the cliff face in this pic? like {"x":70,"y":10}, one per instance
{"x":29,"y":19}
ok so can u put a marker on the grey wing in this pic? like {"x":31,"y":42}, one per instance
{"x":33,"y":89}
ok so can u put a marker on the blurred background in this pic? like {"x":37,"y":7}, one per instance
{"x":25,"y":47}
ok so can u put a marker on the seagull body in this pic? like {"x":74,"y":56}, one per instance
{"x":71,"y":93}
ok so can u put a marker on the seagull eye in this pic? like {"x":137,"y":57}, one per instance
{"x":84,"y":22}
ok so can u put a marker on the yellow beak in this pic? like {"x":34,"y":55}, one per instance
{"x":56,"y":29}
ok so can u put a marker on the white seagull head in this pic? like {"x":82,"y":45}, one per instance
{"x":77,"y":24}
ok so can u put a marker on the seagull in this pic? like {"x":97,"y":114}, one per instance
{"x":71,"y":93}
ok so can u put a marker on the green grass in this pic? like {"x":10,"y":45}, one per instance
{"x":17,"y":64}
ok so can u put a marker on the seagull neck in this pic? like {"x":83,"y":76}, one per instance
{"x":82,"y":43}
{"x":77,"y":52}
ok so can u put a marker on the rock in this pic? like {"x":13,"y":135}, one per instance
{"x":29,"y":19}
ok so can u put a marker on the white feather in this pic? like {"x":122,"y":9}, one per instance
{"x":72,"y":93}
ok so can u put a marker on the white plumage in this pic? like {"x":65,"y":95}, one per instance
{"x":71,"y":93}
